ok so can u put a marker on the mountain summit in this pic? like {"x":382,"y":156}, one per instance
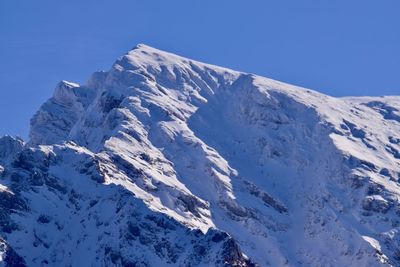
{"x":165,"y":161}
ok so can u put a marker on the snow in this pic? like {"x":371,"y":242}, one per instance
{"x":295,"y":177}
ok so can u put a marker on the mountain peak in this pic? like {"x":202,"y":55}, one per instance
{"x":166,"y":160}
{"x":142,"y":46}
{"x":149,"y":51}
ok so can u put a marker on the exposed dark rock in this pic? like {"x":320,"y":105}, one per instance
{"x":233,"y":256}
{"x":235,"y":209}
{"x":94,"y":169}
{"x":11,"y":259}
{"x":10,"y":146}
{"x":30,"y":159}
{"x":394,"y":140}
{"x":388,"y":173}
{"x":109,"y":102}
{"x":55,"y":184}
{"x":358,"y":181}
{"x":133,"y":230}
{"x":388,"y":112}
{"x":355,"y":131}
{"x":147,"y":158}
{"x":218,"y":236}
{"x":266,"y":198}
{"x":161,"y":222}
{"x":191,"y":204}
{"x":359,"y":163}
{"x":38,"y":178}
{"x":376,"y":203}
{"x":375,"y":189}
{"x":128,"y":168}
{"x":10,"y":203}
{"x":393,"y":151}
{"x":44,"y":219}
{"x":165,"y":250}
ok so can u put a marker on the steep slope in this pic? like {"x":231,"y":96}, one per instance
{"x":167,"y":161}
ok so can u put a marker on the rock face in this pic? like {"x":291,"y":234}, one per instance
{"x":165,"y":161}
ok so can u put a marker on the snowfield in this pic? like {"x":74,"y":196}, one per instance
{"x":165,"y":161}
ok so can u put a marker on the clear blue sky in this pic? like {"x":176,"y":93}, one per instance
{"x":338,"y":47}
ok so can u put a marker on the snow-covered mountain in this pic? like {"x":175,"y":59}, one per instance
{"x":165,"y":161}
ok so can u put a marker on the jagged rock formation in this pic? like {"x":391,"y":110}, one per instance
{"x":165,"y":161}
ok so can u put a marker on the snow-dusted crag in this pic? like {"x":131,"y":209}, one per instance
{"x":165,"y":161}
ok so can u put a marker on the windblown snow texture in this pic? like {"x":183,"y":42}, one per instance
{"x":165,"y":161}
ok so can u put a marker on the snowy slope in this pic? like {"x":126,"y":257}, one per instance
{"x":165,"y":161}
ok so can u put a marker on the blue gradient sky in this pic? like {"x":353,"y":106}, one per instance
{"x":337,"y":47}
